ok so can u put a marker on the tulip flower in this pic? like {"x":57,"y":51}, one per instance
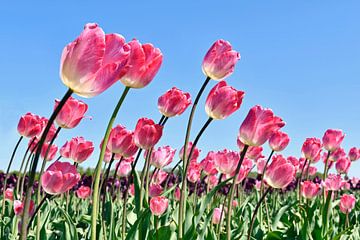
{"x":144,"y":62}
{"x":212,"y":181}
{"x":279,"y":173}
{"x":177,"y":194}
{"x":258,"y":126}
{"x":147,"y":133}
{"x":332,"y":139}
{"x":226,"y":161}
{"x":332,"y":182}
{"x":354,"y":181}
{"x":160,"y":176}
{"x":162,"y":157}
{"x":48,"y":152}
{"x":121,"y":141}
{"x":194,"y":172}
{"x":279,"y":141}
{"x":342,"y":165}
{"x":347,"y":203}
{"x":77,"y":149}
{"x":254,"y":152}
{"x":354,"y":154}
{"x":124,"y":169}
{"x":309,"y":189}
{"x":208,"y":164}
{"x":219,"y":62}
{"x":59,"y":178}
{"x":312,"y":171}
{"x":9,"y":194}
{"x":71,"y":113}
{"x":19,"y":207}
{"x":29,"y":125}
{"x":174,"y":102}
{"x":158,"y":205}
{"x":260,"y":164}
{"x":244,"y":171}
{"x":155,"y":190}
{"x":216,"y":216}
{"x":132,"y":190}
{"x":222,"y":101}
{"x":94,"y":61}
{"x":50,"y":135}
{"x":194,"y":155}
{"x":345,"y":185}
{"x":337,"y":154}
{"x":83,"y":192}
{"x":294,"y":161}
{"x":311,"y":148}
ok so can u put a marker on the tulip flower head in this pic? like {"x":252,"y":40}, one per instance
{"x":48,"y":152}
{"x":19,"y":207}
{"x":174,"y":102}
{"x":347,"y":203}
{"x":342,"y":165}
{"x":311,"y":148}
{"x":279,"y":141}
{"x":9,"y":194}
{"x":217,"y":216}
{"x":121,"y":141}
{"x":83,"y":192}
{"x":226,"y":161}
{"x":94,"y":61}
{"x":147,"y":133}
{"x":309,"y":189}
{"x":208,"y":164}
{"x":71,"y":113}
{"x":279,"y":173}
{"x":124,"y":169}
{"x":77,"y":149}
{"x":332,"y":139}
{"x":162,"y":157}
{"x":158,"y":205}
{"x":354,"y":154}
{"x":332,"y":182}
{"x":29,"y":125}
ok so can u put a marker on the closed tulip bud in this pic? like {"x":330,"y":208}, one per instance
{"x":9,"y":194}
{"x":354,"y":154}
{"x":71,"y":113}
{"x":155,"y":190}
{"x":332,"y":139}
{"x":147,"y":133}
{"x":158,"y":205}
{"x":222,"y":101}
{"x":194,"y":172}
{"x":77,"y":149}
{"x":208,"y":164}
{"x":354,"y":181}
{"x":174,"y":102}
{"x":94,"y":61}
{"x":160,"y":176}
{"x":226,"y":161}
{"x":219,"y":62}
{"x":29,"y":125}
{"x":312,"y":171}
{"x":144,"y":62}
{"x":59,"y":178}
{"x":309,"y":189}
{"x":337,"y":154}
{"x":311,"y":148}
{"x":48,"y":152}
{"x":332,"y":182}
{"x":279,"y":141}
{"x":121,"y":141}
{"x":347,"y":203}
{"x":19,"y":207}
{"x":258,"y":126}
{"x":279,"y":173}
{"x":216,"y":216}
{"x":195,"y":154}
{"x":83,"y":192}
{"x":124,"y":169}
{"x":254,"y":152}
{"x":162,"y":157}
{"x":342,"y":165}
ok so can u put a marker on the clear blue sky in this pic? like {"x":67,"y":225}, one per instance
{"x":299,"y":58}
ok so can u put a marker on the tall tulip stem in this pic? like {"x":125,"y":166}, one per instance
{"x":22,"y":165}
{"x":95,"y":196}
{"x":25,"y":215}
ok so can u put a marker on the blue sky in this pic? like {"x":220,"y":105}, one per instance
{"x":299,"y":58}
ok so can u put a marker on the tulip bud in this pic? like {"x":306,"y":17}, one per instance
{"x":173,"y":102}
{"x":354,"y":154}
{"x":121,"y":141}
{"x":162,"y":157}
{"x":279,"y":173}
{"x":158,"y":205}
{"x":332,"y":139}
{"x":77,"y":149}
{"x":311,"y":148}
{"x":347,"y":203}
{"x":29,"y":125}
{"x":279,"y":141}
{"x":309,"y":189}
{"x":342,"y":165}
{"x":71,"y":113}
{"x":83,"y":192}
{"x":48,"y":152}
{"x":147,"y":133}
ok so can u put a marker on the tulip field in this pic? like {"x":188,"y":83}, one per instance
{"x":139,"y":189}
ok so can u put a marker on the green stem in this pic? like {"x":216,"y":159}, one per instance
{"x":187,"y":135}
{"x":123,"y":226}
{"x":29,"y":159}
{"x":232,"y":191}
{"x":95,"y":208}
{"x":104,"y":183}
{"x":300,"y":179}
{"x":47,"y":196}
{"x":22,"y":165}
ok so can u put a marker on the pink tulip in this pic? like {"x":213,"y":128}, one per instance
{"x":332,"y":182}
{"x":258,"y":126}
{"x":347,"y":203}
{"x":124,"y":169}
{"x":29,"y":125}
{"x":222,"y":101}
{"x":158,"y":205}
{"x":71,"y":113}
{"x":345,"y":185}
{"x":312,"y":171}
{"x":177,"y":194}
{"x":132,"y":190}
{"x":342,"y":165}
{"x":294,"y":161}
{"x":309,"y":189}
{"x":279,"y":173}
{"x":44,"y":121}
{"x":217,"y":215}
{"x":244,"y":171}
{"x":219,"y":62}
{"x":162,"y":157}
{"x":354,"y":181}
{"x":332,"y":139}
{"x":260,"y":164}
{"x":77,"y":149}
{"x":155,"y":190}
{"x":19,"y":207}
{"x":121,"y":141}
{"x":9,"y":194}
{"x":59,"y":178}
{"x":279,"y":141}
{"x":208,"y":164}
{"x":83,"y":192}
{"x":311,"y":148}
{"x":160,"y":176}
{"x":194,"y":172}
{"x":147,"y":133}
{"x":254,"y":152}
{"x":195,"y":154}
{"x":257,"y":185}
{"x":337,"y":154}
{"x":226,"y":161}
{"x":48,"y":151}
{"x":173,"y":102}
{"x":354,"y":154}
{"x":212,"y":181}
{"x":144,"y":62}
{"x":94,"y":61}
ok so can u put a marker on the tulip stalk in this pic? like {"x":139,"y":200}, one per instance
{"x":25,"y":215}
{"x":22,"y":165}
{"x":99,"y":163}
{"x":232,"y":191}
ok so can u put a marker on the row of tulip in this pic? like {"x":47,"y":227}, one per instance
{"x":193,"y":199}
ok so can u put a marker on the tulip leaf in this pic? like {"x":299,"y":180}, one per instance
{"x":131,"y":233}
